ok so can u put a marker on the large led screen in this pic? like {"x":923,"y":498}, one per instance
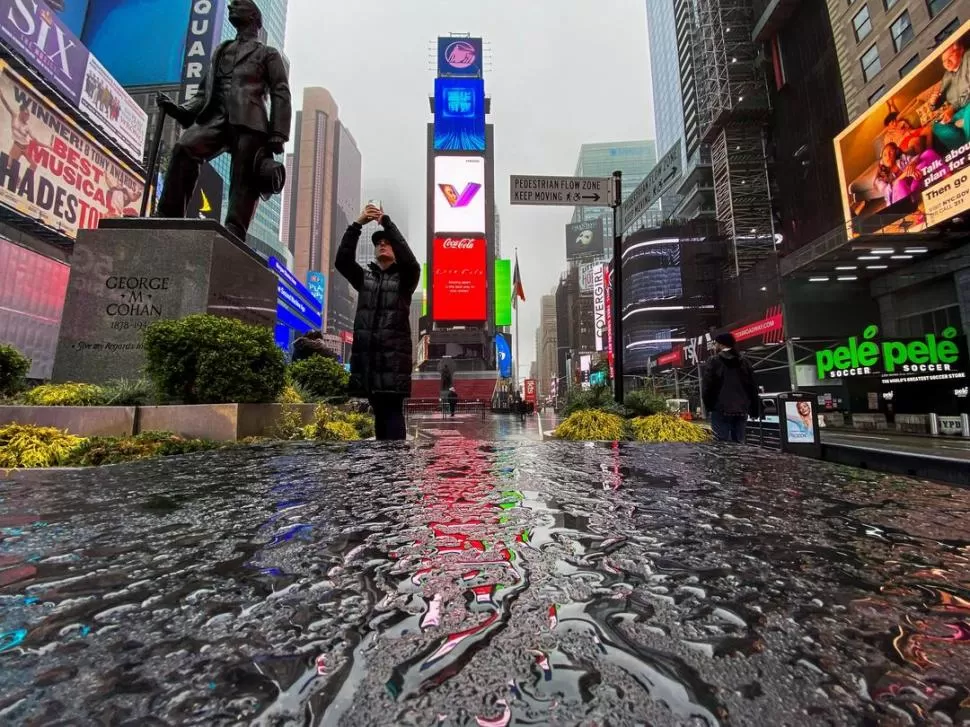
{"x":459,"y":281}
{"x":151,"y":31}
{"x":459,"y":114}
{"x":903,"y":163}
{"x":460,"y":57}
{"x":503,"y":292}
{"x":459,"y":194}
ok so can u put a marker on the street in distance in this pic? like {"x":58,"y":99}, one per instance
{"x":567,"y":191}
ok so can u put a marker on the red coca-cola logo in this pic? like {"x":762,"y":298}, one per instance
{"x":456,"y":244}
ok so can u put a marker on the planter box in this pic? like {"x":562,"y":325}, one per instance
{"x":217,"y":422}
{"x":82,"y":421}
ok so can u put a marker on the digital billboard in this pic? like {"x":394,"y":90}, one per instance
{"x":459,"y":114}
{"x":503,"y":292}
{"x":51,"y":49}
{"x":460,"y":57}
{"x":153,"y":31}
{"x":903,"y":165}
{"x":584,"y":239}
{"x":459,"y":194}
{"x":458,"y":277}
{"x":51,"y":170}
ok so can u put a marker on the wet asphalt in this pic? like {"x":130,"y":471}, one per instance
{"x":452,"y":581}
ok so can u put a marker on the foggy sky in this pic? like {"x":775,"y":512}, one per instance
{"x":560,"y":73}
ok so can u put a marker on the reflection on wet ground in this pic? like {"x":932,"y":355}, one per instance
{"x":456,"y":582}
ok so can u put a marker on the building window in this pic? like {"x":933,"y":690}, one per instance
{"x":862,"y":23}
{"x":877,"y":94}
{"x":902,"y":31}
{"x":871,"y":65}
{"x":909,"y":65}
{"x":943,"y":34}
{"x":936,"y":6}
{"x":889,"y":4}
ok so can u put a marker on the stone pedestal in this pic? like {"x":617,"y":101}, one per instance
{"x":130,"y":273}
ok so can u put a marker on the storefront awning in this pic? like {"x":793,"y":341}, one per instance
{"x":837,"y":257}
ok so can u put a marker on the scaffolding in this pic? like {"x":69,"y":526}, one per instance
{"x":733,"y":107}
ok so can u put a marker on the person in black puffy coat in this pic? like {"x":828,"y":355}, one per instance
{"x":381,"y":357}
{"x":729,"y":391}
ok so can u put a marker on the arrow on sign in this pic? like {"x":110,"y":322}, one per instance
{"x":594,"y":197}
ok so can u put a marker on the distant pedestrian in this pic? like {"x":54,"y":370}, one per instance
{"x":381,"y":357}
{"x":452,"y":400}
{"x":729,"y":391}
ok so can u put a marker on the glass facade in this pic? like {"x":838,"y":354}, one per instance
{"x":266,"y":224}
{"x":668,"y":110}
{"x":634,"y":158}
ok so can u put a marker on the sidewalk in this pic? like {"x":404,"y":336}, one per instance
{"x":950,"y":447}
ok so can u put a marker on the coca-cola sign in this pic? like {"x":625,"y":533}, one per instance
{"x":459,"y":284}
{"x":451,"y":243}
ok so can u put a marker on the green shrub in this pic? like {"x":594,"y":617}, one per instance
{"x":290,"y":395}
{"x":332,"y":424}
{"x":25,"y":445}
{"x":592,"y":425}
{"x":363,"y":423}
{"x":290,"y":424}
{"x":68,"y":394}
{"x":667,"y":428}
{"x":205,"y":359}
{"x":116,"y":450}
{"x":597,"y":397}
{"x":321,"y":378}
{"x":644,"y":403}
{"x":129,"y":392}
{"x":13,"y":370}
{"x":337,"y":432}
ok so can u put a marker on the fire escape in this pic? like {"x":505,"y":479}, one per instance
{"x":733,"y":108}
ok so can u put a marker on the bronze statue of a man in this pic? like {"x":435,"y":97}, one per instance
{"x":229,"y":114}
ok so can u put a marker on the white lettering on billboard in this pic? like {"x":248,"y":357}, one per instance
{"x":599,"y":307}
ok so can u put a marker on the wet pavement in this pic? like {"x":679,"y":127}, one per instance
{"x":448,"y":581}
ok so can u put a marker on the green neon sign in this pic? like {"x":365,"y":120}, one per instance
{"x":868,"y":357}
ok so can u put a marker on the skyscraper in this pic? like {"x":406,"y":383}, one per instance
{"x":547,"y":345}
{"x":311,"y":208}
{"x":634,"y":158}
{"x":671,"y":25}
{"x":342,"y":299}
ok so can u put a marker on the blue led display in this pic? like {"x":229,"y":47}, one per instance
{"x":459,"y":118}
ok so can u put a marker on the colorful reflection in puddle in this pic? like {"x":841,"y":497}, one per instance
{"x":461,"y":583}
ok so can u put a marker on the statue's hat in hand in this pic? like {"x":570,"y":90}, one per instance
{"x":269,"y":173}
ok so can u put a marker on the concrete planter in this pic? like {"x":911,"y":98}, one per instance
{"x":214,"y":422}
{"x":217,"y":422}
{"x":83,"y":421}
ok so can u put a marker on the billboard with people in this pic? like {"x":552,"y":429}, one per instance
{"x":903,"y":165}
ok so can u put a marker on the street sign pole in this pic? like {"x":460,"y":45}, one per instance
{"x":617,"y":279}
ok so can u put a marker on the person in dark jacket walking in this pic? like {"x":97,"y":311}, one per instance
{"x":452,"y":400}
{"x":381,"y":357}
{"x":729,"y":391}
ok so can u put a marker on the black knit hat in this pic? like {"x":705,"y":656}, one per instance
{"x":726,"y":339}
{"x":378,"y":236}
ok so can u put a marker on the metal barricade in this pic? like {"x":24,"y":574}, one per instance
{"x":432,"y":407}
